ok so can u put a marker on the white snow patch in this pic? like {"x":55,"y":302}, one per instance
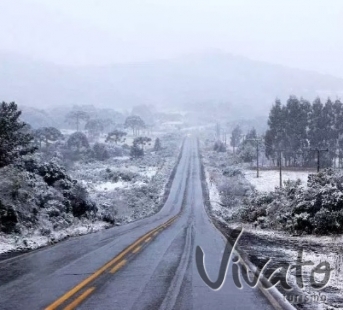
{"x":9,"y":243}
{"x":269,"y":179}
{"x":213,"y":193}
{"x":109,"y":186}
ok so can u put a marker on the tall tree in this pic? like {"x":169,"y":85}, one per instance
{"x":77,"y":142}
{"x":275,"y":135}
{"x":323,"y":129}
{"x":247,"y":149}
{"x":236,"y":136}
{"x":296,"y":124}
{"x":77,"y":117}
{"x":94,"y":127}
{"x":135,"y":123}
{"x":142,"y":141}
{"x":15,"y":141}
{"x":338,"y":127}
{"x":116,"y":136}
{"x":47,"y":134}
{"x":144,"y":112}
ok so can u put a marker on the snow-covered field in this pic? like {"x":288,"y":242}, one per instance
{"x":127,"y":189}
{"x":269,"y":179}
{"x":277,"y":245}
{"x":123,"y":189}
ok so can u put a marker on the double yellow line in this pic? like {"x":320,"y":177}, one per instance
{"x":113,"y":266}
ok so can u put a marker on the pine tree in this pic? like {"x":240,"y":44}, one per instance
{"x":76,"y":117}
{"x":296,"y":123}
{"x":247,"y":150}
{"x":275,"y":135}
{"x":15,"y":141}
{"x":116,"y":136}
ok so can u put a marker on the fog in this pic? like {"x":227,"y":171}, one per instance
{"x":151,"y":129}
{"x":302,"y":34}
{"x":169,"y":53}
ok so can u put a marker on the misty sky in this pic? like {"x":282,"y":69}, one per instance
{"x":298,"y":33}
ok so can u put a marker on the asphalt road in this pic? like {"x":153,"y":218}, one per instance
{"x":148,"y":264}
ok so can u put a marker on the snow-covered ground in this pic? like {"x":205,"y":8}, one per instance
{"x":127,"y":189}
{"x":269,"y":179}
{"x":213,"y":192}
{"x":277,"y":245}
{"x":9,"y":243}
{"x":124,"y":189}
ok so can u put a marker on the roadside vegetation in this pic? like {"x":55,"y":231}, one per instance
{"x":57,"y":183}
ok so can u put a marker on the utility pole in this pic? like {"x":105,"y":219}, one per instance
{"x":257,"y":160}
{"x":318,"y":151}
{"x":280,"y":158}
{"x":257,"y":155}
{"x":280,"y":166}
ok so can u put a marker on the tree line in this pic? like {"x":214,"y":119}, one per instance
{"x":18,"y":138}
{"x":300,"y":129}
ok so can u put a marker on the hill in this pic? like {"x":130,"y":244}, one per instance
{"x":231,"y":82}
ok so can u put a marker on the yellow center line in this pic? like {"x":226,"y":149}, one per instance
{"x":95,"y":275}
{"x":100,"y":271}
{"x":79,"y":299}
{"x":118,"y":266}
{"x":136,"y":249}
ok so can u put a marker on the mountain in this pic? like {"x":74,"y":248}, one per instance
{"x":238,"y":84}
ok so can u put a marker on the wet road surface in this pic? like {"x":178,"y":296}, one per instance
{"x":148,"y":264}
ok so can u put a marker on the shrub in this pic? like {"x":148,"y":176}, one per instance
{"x":136,"y":151}
{"x":219,"y":146}
{"x":100,"y":151}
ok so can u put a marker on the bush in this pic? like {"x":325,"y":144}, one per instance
{"x":100,"y":152}
{"x":8,"y":219}
{"x":37,"y":194}
{"x":116,"y":151}
{"x":317,"y":209}
{"x":136,"y":151}
{"x":219,"y":146}
{"x":232,"y":172}
{"x":117,"y":175}
{"x":77,"y":142}
{"x":79,"y":202}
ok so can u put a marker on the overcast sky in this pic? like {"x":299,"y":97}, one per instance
{"x":299,"y":33}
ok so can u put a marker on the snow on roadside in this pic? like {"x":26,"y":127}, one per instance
{"x":269,"y":179}
{"x":124,"y":190}
{"x":10,"y":243}
{"x":317,"y":249}
{"x":109,"y":186}
{"x":213,"y":192}
{"x":278,"y":245}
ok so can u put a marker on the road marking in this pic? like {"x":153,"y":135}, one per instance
{"x":79,"y":299}
{"x":108,"y":265}
{"x":136,"y":249}
{"x":118,"y":266}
